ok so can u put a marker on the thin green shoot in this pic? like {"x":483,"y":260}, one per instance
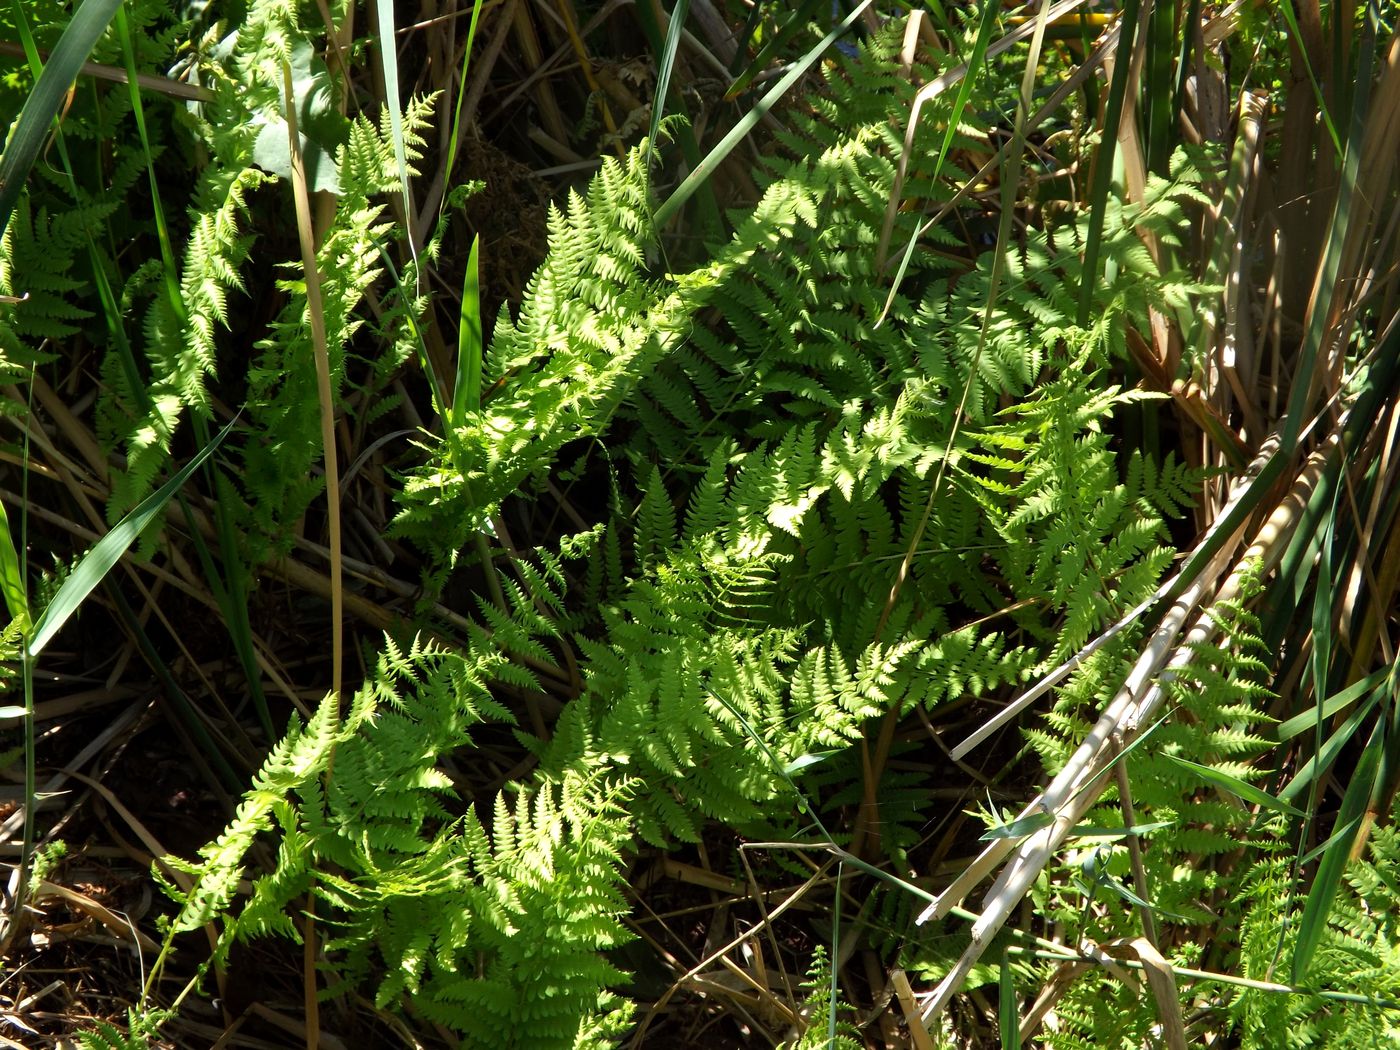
{"x":702,"y":172}
{"x":455,"y":139}
{"x":466,"y":394}
{"x":665,"y":66}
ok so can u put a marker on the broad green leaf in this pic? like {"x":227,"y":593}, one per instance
{"x":95,"y":565}
{"x":320,"y":127}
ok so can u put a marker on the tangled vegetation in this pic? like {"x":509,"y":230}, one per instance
{"x":918,"y":454}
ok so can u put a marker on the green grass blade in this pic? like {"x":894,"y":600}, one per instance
{"x":906,"y":255}
{"x":389,"y":66}
{"x":1291,"y":17}
{"x":455,"y":140}
{"x":1320,"y":662}
{"x":707,"y":205}
{"x":203,"y":750}
{"x":1235,"y":786}
{"x":1339,"y":230}
{"x":230,"y":594}
{"x":111,"y":312}
{"x":1334,"y":860}
{"x":975,"y":63}
{"x":1019,"y":828}
{"x":1326,"y":755}
{"x":138,"y":111}
{"x":1008,"y":1012}
{"x":12,"y":574}
{"x":1089,"y":831}
{"x":971,"y":67}
{"x":702,"y":172}
{"x":1103,"y":162}
{"x":1157,"y":71}
{"x":1346,"y":831}
{"x":800,"y":18}
{"x":466,"y":393}
{"x":108,"y":551}
{"x":664,"y":66}
{"x":1339,"y":701}
{"x":44,"y":101}
{"x":835,"y":990}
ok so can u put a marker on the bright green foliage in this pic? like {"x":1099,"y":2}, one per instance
{"x":737,"y":613}
{"x":143,"y":1029}
{"x":1191,"y":863}
{"x":181,"y":341}
{"x":819,"y":1008}
{"x":486,"y":929}
{"x":825,"y":505}
{"x":591,"y":323}
{"x":36,"y":266}
{"x":1360,"y":951}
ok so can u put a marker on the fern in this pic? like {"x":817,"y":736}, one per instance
{"x":778,"y":446}
{"x":1358,"y":951}
{"x":820,"y":1010}
{"x":141,"y":1032}
{"x":1189,"y":867}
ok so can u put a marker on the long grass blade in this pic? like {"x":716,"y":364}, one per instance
{"x":665,"y":66}
{"x":44,"y":101}
{"x":230,"y":594}
{"x":1339,"y":701}
{"x":389,"y":66}
{"x":95,"y":565}
{"x":796,"y":22}
{"x":315,"y":311}
{"x":1291,"y":17}
{"x":702,"y":172}
{"x":1103,"y":161}
{"x":454,"y":141}
{"x":12,"y":574}
{"x":1313,"y":921}
{"x":1326,"y":755}
{"x":1008,"y":1012}
{"x":1234,"y":785}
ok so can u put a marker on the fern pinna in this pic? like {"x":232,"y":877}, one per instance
{"x":777,"y":444}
